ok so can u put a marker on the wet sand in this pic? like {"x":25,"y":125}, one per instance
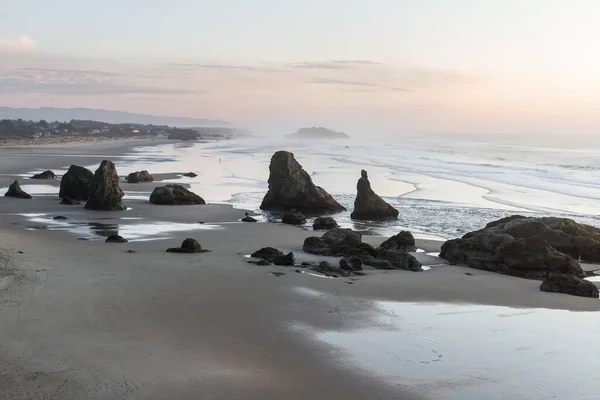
{"x":84,"y":319}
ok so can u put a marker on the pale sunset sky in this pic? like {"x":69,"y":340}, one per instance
{"x":478,"y":66}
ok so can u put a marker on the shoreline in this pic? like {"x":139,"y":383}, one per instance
{"x":89,"y":319}
{"x":59,"y":140}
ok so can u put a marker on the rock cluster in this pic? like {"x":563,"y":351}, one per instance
{"x":291,"y":188}
{"x":368,"y":205}
{"x":275,"y":256}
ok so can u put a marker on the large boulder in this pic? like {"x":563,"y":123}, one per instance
{"x":291,"y":188}
{"x":402,"y":241}
{"x":527,"y":247}
{"x":368,"y":205}
{"x":324,"y":223}
{"x":44,"y":175}
{"x":267,"y":253}
{"x":14,"y":190}
{"x":106,"y":194}
{"x":294,"y":218}
{"x":75,"y":184}
{"x":174,"y":195}
{"x":569,"y":284}
{"x":140,"y":177}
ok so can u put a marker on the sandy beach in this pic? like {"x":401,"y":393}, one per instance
{"x":84,"y":319}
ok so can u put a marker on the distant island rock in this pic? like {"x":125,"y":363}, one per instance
{"x":317,"y":133}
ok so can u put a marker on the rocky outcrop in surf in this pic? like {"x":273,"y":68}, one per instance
{"x":14,"y":190}
{"x":292,"y":189}
{"x":293,"y":218}
{"x":368,"y":205}
{"x":139,"y":177}
{"x":75,"y":184}
{"x":44,"y":175}
{"x":323,"y":223}
{"x":527,"y":247}
{"x":106,"y":194}
{"x":174,"y":195}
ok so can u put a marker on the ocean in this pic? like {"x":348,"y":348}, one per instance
{"x":443,"y":186}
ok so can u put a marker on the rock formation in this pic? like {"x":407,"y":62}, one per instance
{"x":402,"y":241}
{"x":368,"y":205}
{"x":188,"y":246}
{"x":116,"y":239}
{"x":324,"y":223}
{"x":339,"y":242}
{"x":44,"y":175}
{"x":291,"y":188}
{"x":14,"y":190}
{"x":569,"y":284}
{"x":293,"y":219}
{"x":106,"y":194}
{"x":75,"y":184}
{"x":248,"y":218}
{"x":190,"y":175}
{"x":174,"y":195}
{"x":140,"y":177}
{"x":272,"y":255}
{"x":527,"y":247}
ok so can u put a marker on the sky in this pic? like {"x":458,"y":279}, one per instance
{"x":476,"y":66}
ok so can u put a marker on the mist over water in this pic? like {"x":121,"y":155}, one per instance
{"x":443,"y":186}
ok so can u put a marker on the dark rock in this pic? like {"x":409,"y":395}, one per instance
{"x":116,"y":239}
{"x":351,"y":264}
{"x":44,"y":175}
{"x":291,"y":188}
{"x":248,"y":218}
{"x":140,"y":177}
{"x":190,"y":175}
{"x":324,"y":223}
{"x":378,"y":264}
{"x":69,"y":201}
{"x":327,"y":269}
{"x":368,"y":205}
{"x":131,"y":251}
{"x":278,"y":274}
{"x":105,"y":192}
{"x":188,"y":246}
{"x":402,"y":241}
{"x":527,"y":247}
{"x":174,"y":195}
{"x":75,"y":184}
{"x":267,"y":253}
{"x":60,"y":218}
{"x":294,"y":219}
{"x":569,"y":284}
{"x":14,"y":190}
{"x":397,"y":260}
{"x":288,"y":260}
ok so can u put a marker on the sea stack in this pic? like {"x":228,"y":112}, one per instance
{"x":292,"y":189}
{"x":75,"y":184}
{"x":368,"y":205}
{"x":106,"y":194}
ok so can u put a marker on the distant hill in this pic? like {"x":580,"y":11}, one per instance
{"x":317,"y":133}
{"x":113,"y":117}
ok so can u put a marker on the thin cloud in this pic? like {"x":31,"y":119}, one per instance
{"x":334,"y":64}
{"x":225,"y":67}
{"x":357,"y":83}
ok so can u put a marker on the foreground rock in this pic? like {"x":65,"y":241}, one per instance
{"x":368,"y":205}
{"x":75,"y":184}
{"x":140,"y":177}
{"x":69,"y":201}
{"x":44,"y":175}
{"x":329,"y":270}
{"x":324,"y":223}
{"x":116,"y":239}
{"x":275,"y":256}
{"x":526,"y":247}
{"x":106,"y":194}
{"x":188,"y":246}
{"x":404,"y":241}
{"x":174,"y":195}
{"x":294,"y":219}
{"x":14,"y":190}
{"x":339,"y":242}
{"x":569,"y":284}
{"x":291,"y":188}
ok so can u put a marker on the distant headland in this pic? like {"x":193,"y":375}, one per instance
{"x":317,"y":133}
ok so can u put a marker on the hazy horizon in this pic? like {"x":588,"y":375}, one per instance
{"x":511,"y":67}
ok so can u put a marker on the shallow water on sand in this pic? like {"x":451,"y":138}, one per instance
{"x":442,"y":188}
{"x":458,"y":352}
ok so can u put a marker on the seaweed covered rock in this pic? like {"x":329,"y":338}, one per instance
{"x":14,"y":190}
{"x":139,"y":177}
{"x":106,"y":194}
{"x":75,"y":184}
{"x":44,"y":175}
{"x":368,"y":205}
{"x":174,"y":195}
{"x":527,"y":247}
{"x":569,"y":284}
{"x":291,"y":188}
